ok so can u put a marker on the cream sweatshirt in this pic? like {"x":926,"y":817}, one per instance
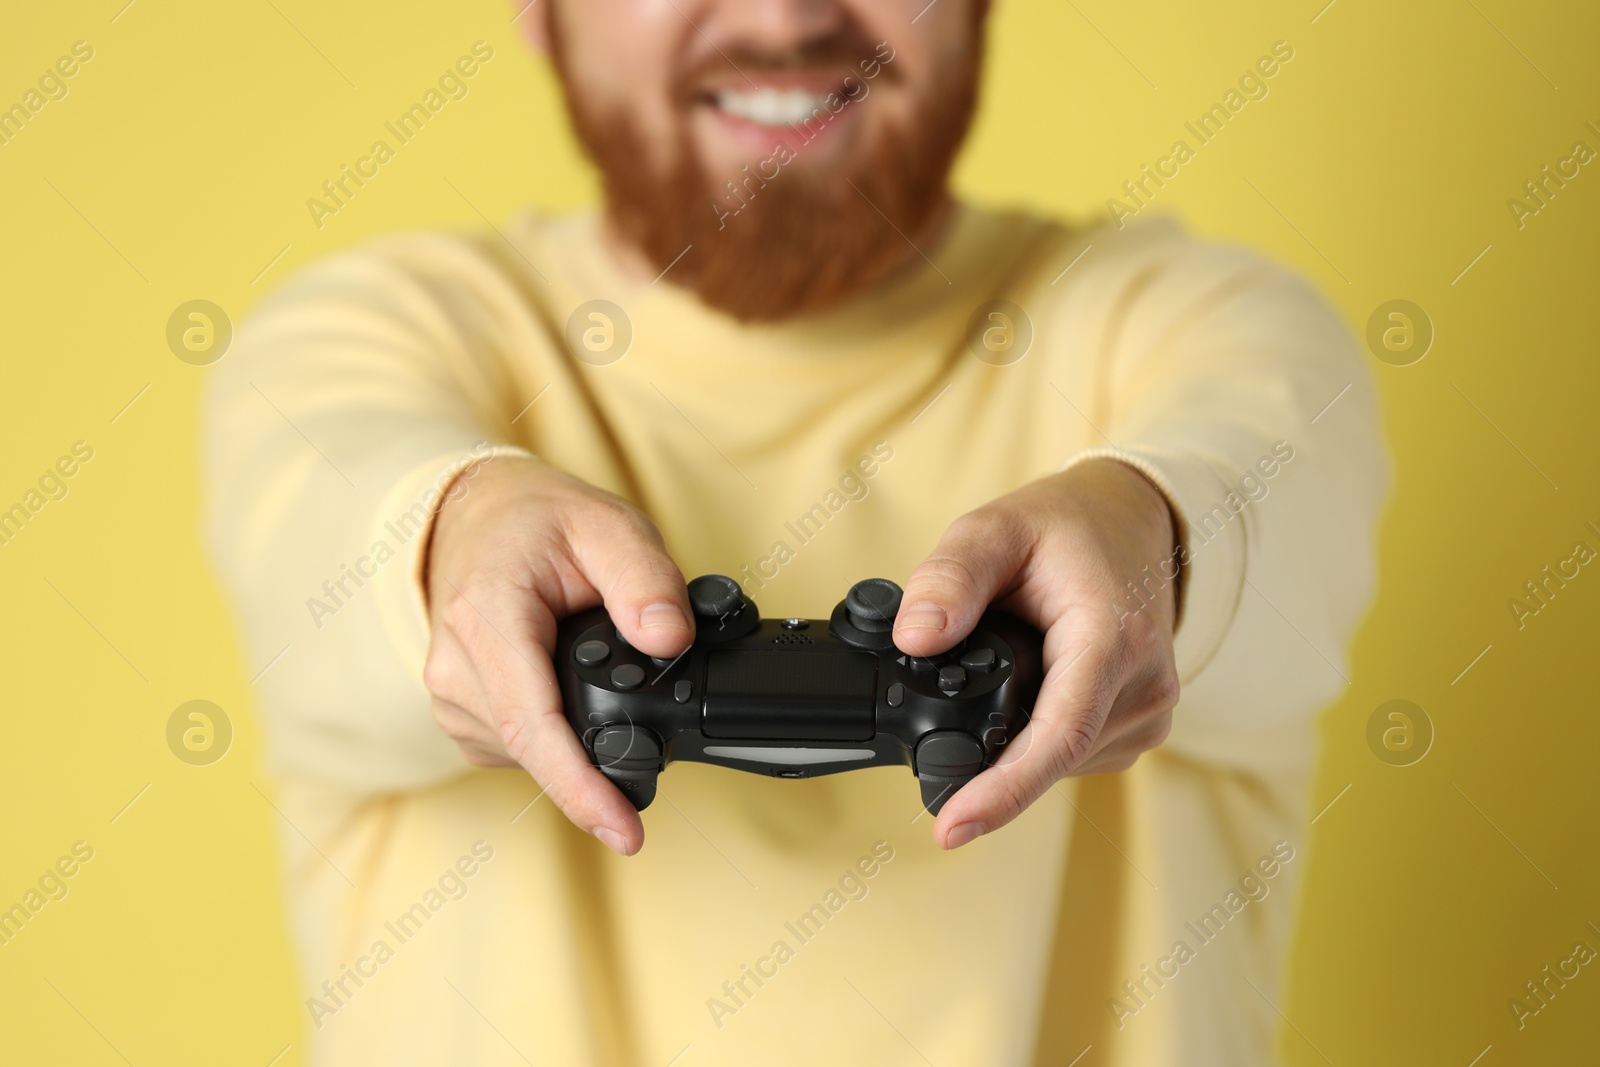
{"x":446,"y":914}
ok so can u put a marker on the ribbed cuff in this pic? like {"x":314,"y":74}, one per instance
{"x":1211,"y":555}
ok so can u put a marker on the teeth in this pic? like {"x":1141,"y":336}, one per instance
{"x":770,"y":107}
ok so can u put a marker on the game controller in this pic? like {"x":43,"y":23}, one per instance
{"x":797,"y":698}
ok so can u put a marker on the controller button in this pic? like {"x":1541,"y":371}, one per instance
{"x":614,"y":744}
{"x":713,"y":595}
{"x":795,"y":624}
{"x":952,"y":678}
{"x":622,"y":637}
{"x":949,"y":754}
{"x":663,"y":661}
{"x":922,"y":663}
{"x":682,"y":690}
{"x":627,"y":676}
{"x":978,"y":659}
{"x":592,"y":653}
{"x":896,"y":695}
{"x":872,"y":604}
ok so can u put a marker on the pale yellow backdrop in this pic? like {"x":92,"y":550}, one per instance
{"x":177,"y":166}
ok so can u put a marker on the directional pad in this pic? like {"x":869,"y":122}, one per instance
{"x":978,"y":659}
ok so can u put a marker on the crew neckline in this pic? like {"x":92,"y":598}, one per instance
{"x":971,"y":246}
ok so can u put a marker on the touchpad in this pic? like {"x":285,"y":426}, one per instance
{"x":814,"y":695}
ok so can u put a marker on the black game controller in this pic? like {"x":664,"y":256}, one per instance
{"x":797,"y":698}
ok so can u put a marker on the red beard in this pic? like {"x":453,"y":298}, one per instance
{"x":790,"y":240}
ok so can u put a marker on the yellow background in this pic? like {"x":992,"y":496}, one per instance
{"x":178,"y":168}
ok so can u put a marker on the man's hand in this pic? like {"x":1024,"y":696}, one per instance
{"x":525,"y":546}
{"x":1059,"y":553}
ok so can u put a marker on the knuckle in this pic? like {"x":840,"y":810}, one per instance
{"x":459,"y":614}
{"x":446,"y":719}
{"x":942,"y":573}
{"x":1118,"y":764}
{"x":616,"y":516}
{"x":988,"y":524}
{"x":436,"y":675}
{"x":442,"y":671}
{"x":1157,"y":734}
{"x":1165,"y":691}
{"x":649,"y":572}
{"x":1076,"y":743}
{"x":516,"y":735}
{"x":1140,"y":638}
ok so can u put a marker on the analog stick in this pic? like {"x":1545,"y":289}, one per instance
{"x":872,"y":605}
{"x":714,"y":596}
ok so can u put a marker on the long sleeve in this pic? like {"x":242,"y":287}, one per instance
{"x":347,"y":402}
{"x":1232,"y":385}
{"x":1240,"y":393}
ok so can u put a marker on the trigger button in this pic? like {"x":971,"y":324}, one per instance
{"x":616,"y":744}
{"x":949,"y":754}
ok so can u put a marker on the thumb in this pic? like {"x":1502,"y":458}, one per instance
{"x":978,"y":558}
{"x":622,"y":555}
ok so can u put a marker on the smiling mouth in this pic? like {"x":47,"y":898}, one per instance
{"x":767,"y":106}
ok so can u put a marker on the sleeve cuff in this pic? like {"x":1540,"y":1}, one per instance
{"x":406,"y":518}
{"x":1211,"y":549}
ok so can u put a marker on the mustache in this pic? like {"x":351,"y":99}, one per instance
{"x":842,"y":53}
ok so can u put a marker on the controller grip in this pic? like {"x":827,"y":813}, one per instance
{"x":937,"y":789}
{"x":638,"y":786}
{"x":946,"y":761}
{"x":630,"y":758}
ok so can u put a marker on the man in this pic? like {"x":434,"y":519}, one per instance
{"x":782,"y":352}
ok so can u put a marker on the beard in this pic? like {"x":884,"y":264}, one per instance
{"x":778,"y":240}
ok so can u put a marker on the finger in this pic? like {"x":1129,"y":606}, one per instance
{"x":622,"y":555}
{"x":507,"y":640}
{"x":476,"y":739}
{"x":1139,"y":721}
{"x":1073,"y":704}
{"x":448,"y":673}
{"x":460,"y":705}
{"x":978,"y":557}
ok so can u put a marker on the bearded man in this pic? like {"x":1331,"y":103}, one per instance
{"x":782,"y":351}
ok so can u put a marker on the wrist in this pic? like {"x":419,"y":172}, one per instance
{"x":467,"y":499}
{"x":1143,"y":519}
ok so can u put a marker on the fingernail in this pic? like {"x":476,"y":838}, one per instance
{"x":661,"y":614}
{"x":923,"y":616}
{"x":962,"y":834}
{"x":612,"y":840}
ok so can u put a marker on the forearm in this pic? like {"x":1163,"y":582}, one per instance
{"x":331,"y":434}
